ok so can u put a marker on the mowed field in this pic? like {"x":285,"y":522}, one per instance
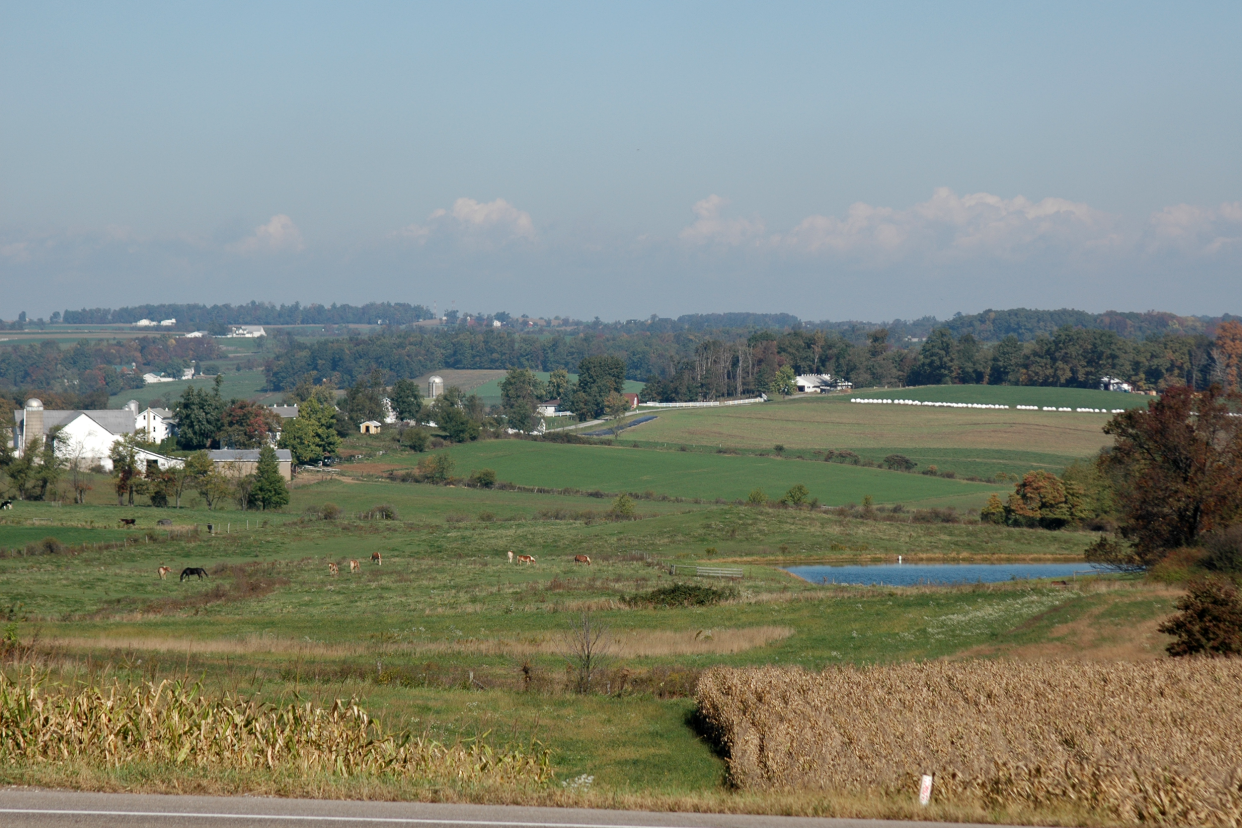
{"x":973,"y":442}
{"x":703,"y":475}
{"x":243,"y":385}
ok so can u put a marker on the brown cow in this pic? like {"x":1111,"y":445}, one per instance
{"x":333,"y":569}
{"x":164,"y":570}
{"x":377,"y":558}
{"x":582,"y":559}
{"x":526,"y":559}
{"x":354,"y":566}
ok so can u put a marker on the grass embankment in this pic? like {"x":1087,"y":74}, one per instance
{"x":1130,"y":743}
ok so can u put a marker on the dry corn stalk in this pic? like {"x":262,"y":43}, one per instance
{"x":175,"y":723}
{"x":1157,"y":742}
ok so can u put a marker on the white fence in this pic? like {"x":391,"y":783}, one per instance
{"x":707,"y":571}
{"x":927,"y":404}
{"x":711,"y":404}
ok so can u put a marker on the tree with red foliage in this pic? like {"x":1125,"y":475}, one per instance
{"x":1178,"y":463}
{"x":247,"y":425}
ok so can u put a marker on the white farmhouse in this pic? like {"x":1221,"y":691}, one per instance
{"x":84,"y":437}
{"x":155,"y":424}
{"x":1114,"y":384}
{"x":247,"y":331}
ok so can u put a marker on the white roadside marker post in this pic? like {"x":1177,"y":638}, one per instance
{"x":925,"y":790}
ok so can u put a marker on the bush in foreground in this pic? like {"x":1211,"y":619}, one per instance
{"x":1208,"y":622}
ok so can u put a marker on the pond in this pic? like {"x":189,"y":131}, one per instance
{"x":905,"y":574}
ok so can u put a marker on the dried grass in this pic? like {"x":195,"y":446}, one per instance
{"x":1149,"y":742}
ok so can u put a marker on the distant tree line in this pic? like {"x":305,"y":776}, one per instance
{"x":732,"y":363}
{"x":196,"y":317}
{"x":91,"y":366}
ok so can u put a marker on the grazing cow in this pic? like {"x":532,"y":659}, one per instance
{"x":526,"y":559}
{"x":333,"y":569}
{"x":164,"y":570}
{"x":191,"y":571}
{"x":354,"y":566}
{"x":582,"y":559}
{"x":510,"y":556}
{"x":8,"y":504}
{"x":377,"y":558}
{"x":128,"y":521}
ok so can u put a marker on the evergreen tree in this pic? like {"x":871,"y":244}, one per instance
{"x":407,"y":400}
{"x":269,"y":490}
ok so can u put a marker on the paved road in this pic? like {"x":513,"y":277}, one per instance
{"x":33,"y":808}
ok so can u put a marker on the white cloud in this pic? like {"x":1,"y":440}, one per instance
{"x":711,"y":228}
{"x":17,"y":251}
{"x":1199,"y":231}
{"x":492,"y":220}
{"x":278,"y":235}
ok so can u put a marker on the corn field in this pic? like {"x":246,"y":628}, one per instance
{"x":177,"y":724}
{"x":1156,"y":742}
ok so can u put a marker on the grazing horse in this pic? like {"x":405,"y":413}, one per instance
{"x":526,"y":559}
{"x":354,"y":566}
{"x":582,"y":559}
{"x":377,"y":558}
{"x":129,"y":521}
{"x":191,"y":571}
{"x":333,"y":569}
{"x":164,"y":570}
{"x":510,"y":556}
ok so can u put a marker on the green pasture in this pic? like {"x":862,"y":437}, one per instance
{"x":237,"y":384}
{"x":1010,"y":395}
{"x":700,"y":475}
{"x":436,"y":638}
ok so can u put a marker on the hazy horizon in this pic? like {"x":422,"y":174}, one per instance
{"x":832,"y":162}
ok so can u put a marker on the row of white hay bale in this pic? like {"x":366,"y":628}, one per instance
{"x":929,"y":404}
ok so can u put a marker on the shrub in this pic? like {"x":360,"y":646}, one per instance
{"x":682,"y":595}
{"x":328,"y":511}
{"x":622,"y":508}
{"x":796,"y":495}
{"x":382,"y":512}
{"x":1209,"y":621}
{"x":1224,"y":550}
{"x":757,"y":498}
{"x":899,"y":462}
{"x":779,"y":448}
{"x":415,"y":439}
{"x":437,"y":468}
{"x":483,"y":478}
{"x":993,"y":512}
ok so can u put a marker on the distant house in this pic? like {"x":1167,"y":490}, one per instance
{"x":241,"y":462}
{"x":155,"y":424}
{"x":820,"y":384}
{"x":247,"y":331}
{"x":167,"y":323}
{"x":547,"y":409}
{"x":195,"y":335}
{"x":1114,"y":384}
{"x":144,"y":323}
{"x":370,"y":427}
{"x":148,"y":379}
{"x":633,"y":400}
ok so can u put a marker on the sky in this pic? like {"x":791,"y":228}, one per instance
{"x":835,"y":161}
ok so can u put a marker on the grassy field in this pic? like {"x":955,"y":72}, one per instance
{"x":437,"y":637}
{"x":701,"y":475}
{"x":244,"y":385}
{"x":972,"y":442}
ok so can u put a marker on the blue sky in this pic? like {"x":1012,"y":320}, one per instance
{"x":834,"y":161}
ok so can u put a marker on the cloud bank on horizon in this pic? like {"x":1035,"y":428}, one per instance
{"x":950,"y":252}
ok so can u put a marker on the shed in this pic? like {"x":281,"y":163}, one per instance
{"x":370,"y":427}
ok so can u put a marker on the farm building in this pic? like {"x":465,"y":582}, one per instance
{"x":820,"y":384}
{"x":241,"y":462}
{"x":83,"y":436}
{"x":370,"y":427}
{"x":1114,"y":384}
{"x":155,"y":424}
{"x":632,"y":399}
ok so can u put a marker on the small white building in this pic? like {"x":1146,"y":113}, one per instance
{"x":149,"y":379}
{"x":195,"y":335}
{"x":167,"y":323}
{"x":247,"y":331}
{"x":370,"y":427}
{"x":1114,"y":384}
{"x":820,"y":384}
{"x":144,"y":323}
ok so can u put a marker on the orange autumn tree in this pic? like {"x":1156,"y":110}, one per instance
{"x":1228,"y":354}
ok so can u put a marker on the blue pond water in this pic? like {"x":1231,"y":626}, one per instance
{"x":915,"y":574}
